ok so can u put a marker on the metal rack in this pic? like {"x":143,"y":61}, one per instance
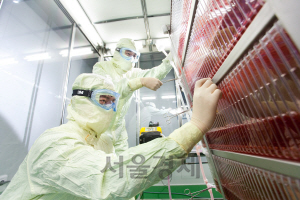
{"x":287,"y":13}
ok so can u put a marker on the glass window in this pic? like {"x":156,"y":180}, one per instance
{"x":83,"y":58}
{"x":32,"y":34}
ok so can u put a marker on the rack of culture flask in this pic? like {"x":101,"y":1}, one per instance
{"x":250,"y":49}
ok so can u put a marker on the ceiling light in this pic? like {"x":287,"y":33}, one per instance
{"x":8,"y":61}
{"x":168,"y":97}
{"x":148,"y":98}
{"x":78,"y":14}
{"x":40,"y":56}
{"x":76,"y":52}
{"x":16,"y":1}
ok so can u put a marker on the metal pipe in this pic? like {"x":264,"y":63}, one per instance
{"x":189,"y":29}
{"x":138,"y":115}
{"x":130,"y":18}
{"x":65,"y":88}
{"x":214,"y":167}
{"x":178,"y":98}
{"x":35,"y":90}
{"x":146,"y":22}
{"x":62,"y":8}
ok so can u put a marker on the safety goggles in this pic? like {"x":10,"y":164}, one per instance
{"x":129,"y":54}
{"x":103,"y":98}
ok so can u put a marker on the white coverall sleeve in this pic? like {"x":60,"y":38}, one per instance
{"x":62,"y":164}
{"x":158,"y":72}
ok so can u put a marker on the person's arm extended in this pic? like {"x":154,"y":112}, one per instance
{"x":150,"y":77}
{"x":159,"y":71}
{"x":60,"y":162}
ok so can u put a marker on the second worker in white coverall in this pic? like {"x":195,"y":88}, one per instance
{"x":127,"y":79}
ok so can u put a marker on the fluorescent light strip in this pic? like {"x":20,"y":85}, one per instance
{"x":148,"y":98}
{"x":168,"y":97}
{"x":40,"y":56}
{"x":78,"y":14}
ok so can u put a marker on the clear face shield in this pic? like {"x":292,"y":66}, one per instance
{"x":129,"y":54}
{"x":103,"y":98}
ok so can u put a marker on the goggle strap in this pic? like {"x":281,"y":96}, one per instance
{"x":85,"y":93}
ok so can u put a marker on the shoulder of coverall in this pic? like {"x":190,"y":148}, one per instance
{"x":57,"y":135}
{"x":102,"y":67}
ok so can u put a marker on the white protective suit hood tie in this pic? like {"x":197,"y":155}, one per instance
{"x":93,"y":119}
{"x":120,"y":63}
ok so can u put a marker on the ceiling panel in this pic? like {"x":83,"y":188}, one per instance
{"x":155,"y":7}
{"x":156,"y":24}
{"x":100,"y":10}
{"x":112,"y":32}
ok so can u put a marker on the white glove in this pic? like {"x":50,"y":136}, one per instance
{"x":205,"y":100}
{"x":151,"y":83}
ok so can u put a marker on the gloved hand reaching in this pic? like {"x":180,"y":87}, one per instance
{"x":151,"y":83}
{"x":205,"y":100}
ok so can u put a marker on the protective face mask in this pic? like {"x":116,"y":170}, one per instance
{"x":121,"y":63}
{"x":129,"y":54}
{"x":89,"y":116}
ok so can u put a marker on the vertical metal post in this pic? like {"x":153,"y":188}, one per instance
{"x":36,"y":88}
{"x":65,"y":88}
{"x":146,"y":22}
{"x":214,"y":167}
{"x":138,"y":113}
{"x":189,"y":29}
{"x":178,"y":98}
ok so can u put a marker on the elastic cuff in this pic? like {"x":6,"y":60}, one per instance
{"x":187,"y":136}
{"x":135,"y":84}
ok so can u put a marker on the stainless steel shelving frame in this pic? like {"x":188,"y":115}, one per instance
{"x":287,"y":12}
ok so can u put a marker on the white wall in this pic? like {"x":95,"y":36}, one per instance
{"x":31,"y":97}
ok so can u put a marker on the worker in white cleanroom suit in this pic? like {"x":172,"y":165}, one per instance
{"x":70,"y":161}
{"x":128,"y":79}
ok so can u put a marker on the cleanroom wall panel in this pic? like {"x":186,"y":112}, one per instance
{"x":32,"y":88}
